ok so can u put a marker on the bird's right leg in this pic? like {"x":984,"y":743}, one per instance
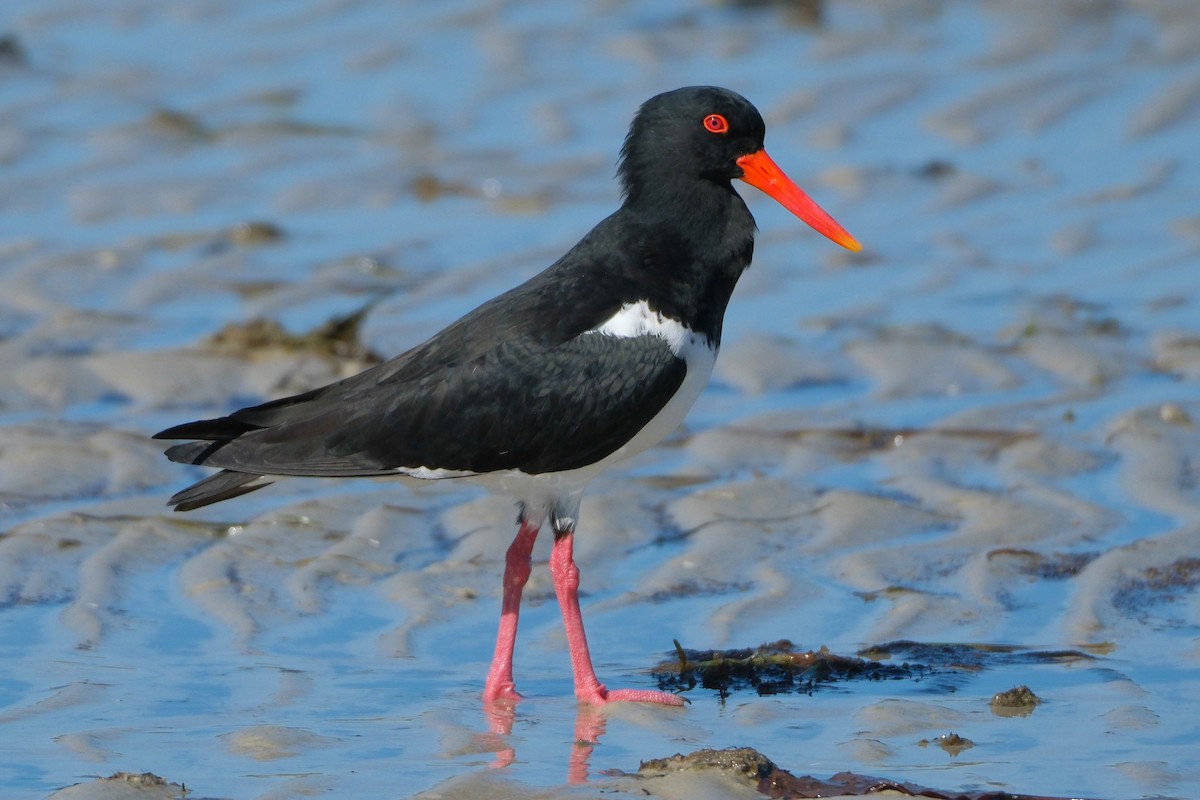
{"x":517,"y":566}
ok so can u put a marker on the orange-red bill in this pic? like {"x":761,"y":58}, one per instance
{"x":762,"y":173}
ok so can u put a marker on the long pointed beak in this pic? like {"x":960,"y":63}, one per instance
{"x":762,"y":173}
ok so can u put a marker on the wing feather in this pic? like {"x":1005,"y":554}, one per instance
{"x":520,"y":406}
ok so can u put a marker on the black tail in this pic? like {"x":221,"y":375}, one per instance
{"x":215,"y":488}
{"x":222,"y":429}
{"x":217,"y":433}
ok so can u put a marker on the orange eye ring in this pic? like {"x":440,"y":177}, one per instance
{"x":715,"y":123}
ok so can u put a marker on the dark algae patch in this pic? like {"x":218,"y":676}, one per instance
{"x":781,"y":667}
{"x":336,"y":339}
{"x":775,"y":668}
{"x":752,"y":767}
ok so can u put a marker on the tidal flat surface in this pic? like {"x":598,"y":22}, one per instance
{"x":981,"y":430}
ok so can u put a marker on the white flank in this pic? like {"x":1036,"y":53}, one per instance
{"x":435,"y":473}
{"x":638,"y":319}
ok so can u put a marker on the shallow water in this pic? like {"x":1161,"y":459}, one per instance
{"x":1020,"y":339}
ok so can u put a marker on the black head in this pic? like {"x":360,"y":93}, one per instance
{"x":697,"y":132}
{"x":685,"y":146}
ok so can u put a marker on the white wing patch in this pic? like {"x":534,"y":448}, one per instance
{"x":638,"y":319}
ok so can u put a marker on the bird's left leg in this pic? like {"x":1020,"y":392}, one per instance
{"x":565,"y":573}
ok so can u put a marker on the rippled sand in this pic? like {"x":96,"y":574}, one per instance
{"x":983,"y":429}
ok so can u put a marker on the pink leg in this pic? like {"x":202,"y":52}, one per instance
{"x":588,"y":688}
{"x":499,"y":683}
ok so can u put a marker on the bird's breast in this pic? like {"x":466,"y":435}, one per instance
{"x":696,"y":350}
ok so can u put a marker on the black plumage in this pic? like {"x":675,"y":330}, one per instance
{"x":594,"y":359}
{"x":502,"y":411}
{"x":520,"y":383}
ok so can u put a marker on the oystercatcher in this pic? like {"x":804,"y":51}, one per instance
{"x":536,"y":391}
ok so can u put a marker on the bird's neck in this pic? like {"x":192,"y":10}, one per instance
{"x":696,"y":240}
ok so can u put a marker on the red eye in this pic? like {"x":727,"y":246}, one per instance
{"x":715,"y":123}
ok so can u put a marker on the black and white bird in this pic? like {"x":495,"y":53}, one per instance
{"x":536,"y":391}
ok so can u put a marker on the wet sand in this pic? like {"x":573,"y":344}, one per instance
{"x":981,"y":430}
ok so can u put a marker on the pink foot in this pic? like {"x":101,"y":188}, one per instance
{"x":603,"y":696}
{"x":504,"y":692}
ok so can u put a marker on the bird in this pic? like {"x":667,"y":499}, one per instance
{"x":538,"y":390}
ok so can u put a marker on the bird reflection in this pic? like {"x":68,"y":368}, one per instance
{"x":590,"y":724}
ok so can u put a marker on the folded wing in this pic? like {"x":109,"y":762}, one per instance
{"x":520,"y":405}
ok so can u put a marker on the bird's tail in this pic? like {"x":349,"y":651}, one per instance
{"x":215,"y":488}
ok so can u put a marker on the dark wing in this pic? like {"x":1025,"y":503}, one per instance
{"x":518,"y":406}
{"x":514,"y":384}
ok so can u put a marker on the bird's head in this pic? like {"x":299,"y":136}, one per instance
{"x":705,"y":133}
